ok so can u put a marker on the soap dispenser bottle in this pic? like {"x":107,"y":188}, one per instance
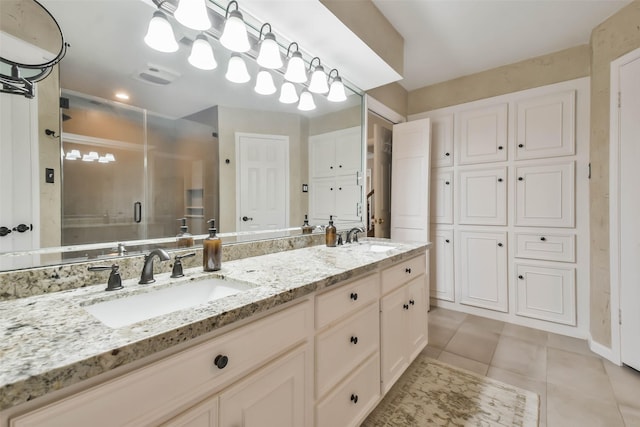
{"x":306,"y":228}
{"x":185,"y":240}
{"x":330,"y":233}
{"x":212,"y":249}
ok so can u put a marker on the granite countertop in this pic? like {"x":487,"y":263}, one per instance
{"x":50,"y":341}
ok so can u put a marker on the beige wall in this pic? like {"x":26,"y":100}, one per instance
{"x":369,"y":24}
{"x":555,"y":67}
{"x":393,"y":96}
{"x":611,"y":39}
{"x":343,"y":119}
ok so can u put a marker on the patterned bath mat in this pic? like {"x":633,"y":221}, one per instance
{"x":432,"y":393}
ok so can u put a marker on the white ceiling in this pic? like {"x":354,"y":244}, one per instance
{"x":446,"y":39}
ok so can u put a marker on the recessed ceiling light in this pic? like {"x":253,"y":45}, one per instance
{"x":123,"y":96}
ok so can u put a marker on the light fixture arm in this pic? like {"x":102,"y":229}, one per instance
{"x":337,"y":74}
{"x":262,"y":28}
{"x":291,"y":44}
{"x":311,"y":63}
{"x":226,"y":15}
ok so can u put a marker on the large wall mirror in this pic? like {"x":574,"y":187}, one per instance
{"x":187,"y":143}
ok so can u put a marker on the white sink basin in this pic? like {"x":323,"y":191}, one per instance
{"x":379,"y":248}
{"x":135,"y":308}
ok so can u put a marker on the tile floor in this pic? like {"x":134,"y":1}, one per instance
{"x":577,"y":388}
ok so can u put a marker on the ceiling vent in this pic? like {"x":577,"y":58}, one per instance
{"x":157,"y":75}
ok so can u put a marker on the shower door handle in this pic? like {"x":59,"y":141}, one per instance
{"x":137,"y":212}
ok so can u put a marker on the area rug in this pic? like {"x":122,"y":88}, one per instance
{"x":432,"y":393}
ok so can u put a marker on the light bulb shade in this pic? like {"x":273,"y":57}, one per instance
{"x":234,"y":36}
{"x":87,"y":158}
{"x":202,"y":54}
{"x":160,"y":34}
{"x":336,"y":91}
{"x":319,"y":81}
{"x":269,"y":55}
{"x":306,"y":102}
{"x":296,"y":71}
{"x":264,"y":83}
{"x":110,"y":157}
{"x":193,"y":14}
{"x":103,"y":159}
{"x":288,"y":94}
{"x":237,"y":70}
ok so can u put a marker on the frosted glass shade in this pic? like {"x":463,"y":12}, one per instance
{"x":336,"y":91}
{"x":318,"y":81}
{"x":269,"y":55}
{"x":296,"y":71}
{"x":288,"y":94}
{"x":306,"y":102}
{"x":160,"y":34}
{"x":234,"y":36}
{"x":193,"y":14}
{"x":264,"y":83}
{"x":202,"y":54}
{"x":237,"y":70}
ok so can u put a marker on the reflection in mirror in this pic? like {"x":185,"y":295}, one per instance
{"x":183,"y":145}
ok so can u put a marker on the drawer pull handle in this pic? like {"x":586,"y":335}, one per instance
{"x":500,"y":147}
{"x":354,"y":398}
{"x":412,"y":302}
{"x":405,"y":306}
{"x":447,"y":154}
{"x":354,"y":296}
{"x":446,"y":182}
{"x":543,"y":238}
{"x":354,"y":340}
{"x":407,"y":270}
{"x":500,"y":244}
{"x":521,"y":277}
{"x":221,"y":361}
{"x":520,"y":145}
{"x":520,"y":178}
{"x":446,"y":240}
{"x":499,"y":179}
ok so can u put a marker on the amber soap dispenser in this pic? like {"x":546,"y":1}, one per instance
{"x":184,"y":239}
{"x":212,"y":249}
{"x":330,"y":233}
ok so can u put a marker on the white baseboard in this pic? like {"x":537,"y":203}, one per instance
{"x":603,"y":351}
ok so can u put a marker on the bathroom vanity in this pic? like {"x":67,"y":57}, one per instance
{"x":314,"y":337}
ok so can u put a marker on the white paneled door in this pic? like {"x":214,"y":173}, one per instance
{"x":410,"y":181}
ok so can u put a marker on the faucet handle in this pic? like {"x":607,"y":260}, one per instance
{"x":115,"y":281}
{"x":177,"y":266}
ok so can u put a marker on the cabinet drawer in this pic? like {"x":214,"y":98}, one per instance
{"x":341,"y":348}
{"x":552,"y":247}
{"x":402,"y":272}
{"x":346,"y":299}
{"x":178,"y":379}
{"x":348,"y":404}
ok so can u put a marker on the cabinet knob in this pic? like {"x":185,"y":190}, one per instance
{"x":446,"y":241}
{"x":339,"y":188}
{"x":340,"y":166}
{"x":447,"y":154}
{"x":4,"y":231}
{"x":521,"y":277}
{"x":543,"y":238}
{"x":520,"y":145}
{"x":520,"y":178}
{"x":407,"y":270}
{"x":330,"y":167}
{"x":354,"y":296}
{"x":354,"y":398}
{"x":330,"y":188}
{"x":412,"y":302}
{"x":354,"y":340}
{"x":221,"y":361}
{"x":499,"y":179}
{"x":446,"y":183}
{"x":405,"y":306}
{"x":500,"y":147}
{"x":500,"y":244}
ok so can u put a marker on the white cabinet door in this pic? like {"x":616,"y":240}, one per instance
{"x":442,"y":197}
{"x":482,"y":276}
{"x":323,"y":199}
{"x":410,"y":181}
{"x":275,"y":396}
{"x":393,"y":334}
{"x":545,"y":126}
{"x":482,"y":134}
{"x":545,"y":195}
{"x":442,"y":140}
{"x":546,"y":293}
{"x":204,"y":414}
{"x":348,"y":151}
{"x":483,"y":196}
{"x":347,"y":194}
{"x":416,"y":297}
{"x":442,"y":265}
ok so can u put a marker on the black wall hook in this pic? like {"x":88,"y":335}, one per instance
{"x":51,"y":133}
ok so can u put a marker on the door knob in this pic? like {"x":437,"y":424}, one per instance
{"x":246,"y":218}
{"x":4,"y":231}
{"x":22,"y":228}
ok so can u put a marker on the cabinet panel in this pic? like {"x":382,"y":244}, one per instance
{"x":416,"y":296}
{"x":483,"y":196}
{"x":482,"y":275}
{"x":322,"y":155}
{"x":442,"y":197}
{"x":545,"y":246}
{"x":545,"y":126}
{"x":347,"y":196}
{"x":353,"y":399}
{"x":442,"y":265}
{"x":545,"y":195}
{"x":442,"y":140}
{"x":342,"y":347}
{"x":346,"y":299}
{"x":275,"y":396}
{"x":546,"y":293}
{"x":335,"y":153}
{"x":323,"y":199}
{"x":482,"y":134}
{"x":204,"y":414}
{"x":393,"y":345}
{"x":402,"y":272}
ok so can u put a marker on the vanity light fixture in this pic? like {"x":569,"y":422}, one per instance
{"x":296,"y":71}
{"x":264,"y":83}
{"x":269,"y":54}
{"x":110,"y":157}
{"x":160,"y":34}
{"x":122,"y":96}
{"x":306,"y":101}
{"x":234,"y":36}
{"x":193,"y":14}
{"x":73,"y":155}
{"x":288,"y":94}
{"x":202,"y":54}
{"x":318,"y":82}
{"x":237,"y":70}
{"x":336,"y":90}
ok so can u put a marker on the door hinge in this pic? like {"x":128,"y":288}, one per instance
{"x":619,"y":316}
{"x":619,"y":99}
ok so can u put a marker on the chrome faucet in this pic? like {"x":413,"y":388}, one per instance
{"x":147,"y":270}
{"x":352,"y":235}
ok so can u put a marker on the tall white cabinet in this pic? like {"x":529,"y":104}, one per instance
{"x":509,"y":207}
